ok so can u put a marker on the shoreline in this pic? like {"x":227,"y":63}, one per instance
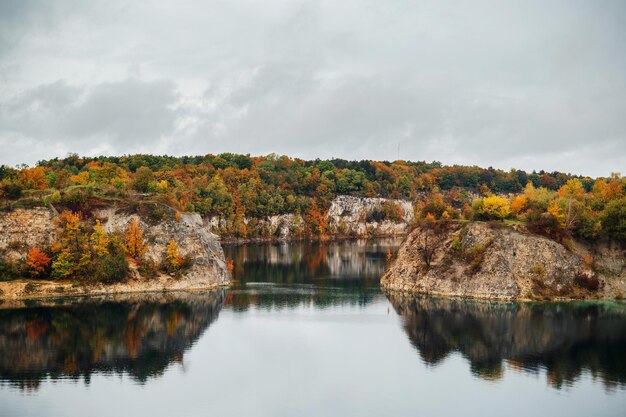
{"x":386,"y":290}
{"x":24,"y":289}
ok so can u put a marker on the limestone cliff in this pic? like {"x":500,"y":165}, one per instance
{"x":347,"y":216}
{"x":208,"y":263}
{"x":24,"y":228}
{"x":497,"y":262}
{"x":21,"y":229}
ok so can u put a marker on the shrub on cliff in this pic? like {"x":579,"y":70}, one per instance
{"x":110,"y":268}
{"x":8,"y":271}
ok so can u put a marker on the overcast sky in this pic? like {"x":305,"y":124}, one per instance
{"x":528,"y":84}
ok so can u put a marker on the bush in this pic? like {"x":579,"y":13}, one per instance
{"x":11,"y":191}
{"x":109,"y":269}
{"x":148,"y":269}
{"x":7,"y":271}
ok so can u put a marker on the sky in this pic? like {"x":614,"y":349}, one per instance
{"x":526,"y":84}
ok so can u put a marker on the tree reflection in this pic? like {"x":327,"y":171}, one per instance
{"x":135,"y":335}
{"x":565,"y":339}
{"x":324,"y":274}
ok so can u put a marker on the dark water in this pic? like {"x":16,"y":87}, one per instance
{"x":306,"y":331}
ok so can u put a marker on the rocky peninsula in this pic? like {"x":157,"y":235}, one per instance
{"x":496,"y":261}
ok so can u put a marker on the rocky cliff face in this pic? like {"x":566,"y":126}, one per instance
{"x":497,"y":262}
{"x":24,"y":228}
{"x":208,"y":263}
{"x":21,"y":229}
{"x":347,"y":216}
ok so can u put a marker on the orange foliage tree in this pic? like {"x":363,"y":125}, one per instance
{"x":37,"y":261}
{"x":34,"y":178}
{"x":135,"y":245}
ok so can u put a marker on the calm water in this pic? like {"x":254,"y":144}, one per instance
{"x":307,"y":332}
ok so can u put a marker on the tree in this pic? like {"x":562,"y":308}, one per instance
{"x":518,"y":204}
{"x":316,"y":220}
{"x":34,"y":178}
{"x":572,"y":189}
{"x":143,"y":177}
{"x":173,"y":258}
{"x":99,"y":240}
{"x":135,"y":245}
{"x":493,"y":207}
{"x":429,"y":239}
{"x":64,"y":265}
{"x":37,"y":261}
{"x":613,"y":219}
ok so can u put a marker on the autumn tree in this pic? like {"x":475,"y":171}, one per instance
{"x":316,"y":220}
{"x":491,"y":208}
{"x":135,"y":245}
{"x":173,"y":258}
{"x":429,"y":239}
{"x":518,"y":203}
{"x":37,"y":262}
{"x":33,"y":178}
{"x":99,"y":240}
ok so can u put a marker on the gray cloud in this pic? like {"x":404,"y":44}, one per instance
{"x":527,"y":84}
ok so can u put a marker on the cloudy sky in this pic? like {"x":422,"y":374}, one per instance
{"x":526,"y":84}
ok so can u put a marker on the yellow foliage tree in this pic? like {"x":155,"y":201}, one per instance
{"x":173,"y":258}
{"x":99,"y":240}
{"x":555,"y":210}
{"x":135,"y":245}
{"x":495,"y":207}
{"x":572,"y":189}
{"x":70,"y":222}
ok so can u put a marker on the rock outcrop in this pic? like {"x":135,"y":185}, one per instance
{"x":497,"y":262}
{"x":347,"y":216}
{"x":21,"y":229}
{"x":208,"y":263}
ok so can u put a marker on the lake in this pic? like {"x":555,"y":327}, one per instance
{"x":306,"y":331}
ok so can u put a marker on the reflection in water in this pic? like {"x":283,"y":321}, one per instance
{"x":324,"y":274}
{"x":563,"y":338}
{"x":135,"y":335}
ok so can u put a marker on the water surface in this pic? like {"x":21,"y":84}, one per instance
{"x":306,"y":331}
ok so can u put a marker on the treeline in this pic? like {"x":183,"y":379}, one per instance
{"x":266,"y":185}
{"x":235,"y":187}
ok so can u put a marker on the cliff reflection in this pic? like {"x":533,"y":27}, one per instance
{"x":137,"y":335}
{"x":565,"y":339}
{"x":305,"y":262}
